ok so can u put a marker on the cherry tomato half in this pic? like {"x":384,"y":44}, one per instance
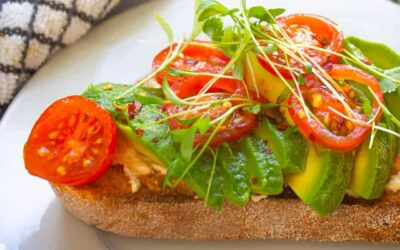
{"x":198,"y":57}
{"x":337,"y":132}
{"x":312,"y":30}
{"x":237,"y":124}
{"x":73,"y":142}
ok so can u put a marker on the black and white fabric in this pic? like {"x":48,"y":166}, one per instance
{"x":33,"y":30}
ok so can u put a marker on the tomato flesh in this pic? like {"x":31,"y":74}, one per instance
{"x":201,"y":57}
{"x":197,"y":57}
{"x":237,"y":125}
{"x":310,"y":30}
{"x":73,"y":142}
{"x":332,"y":130}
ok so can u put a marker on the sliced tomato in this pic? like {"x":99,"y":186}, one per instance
{"x":236,"y":126}
{"x":198,"y":57}
{"x":73,"y":142}
{"x":333,"y":130}
{"x":312,"y":30}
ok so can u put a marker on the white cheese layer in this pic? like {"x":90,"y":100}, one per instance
{"x":134,"y":163}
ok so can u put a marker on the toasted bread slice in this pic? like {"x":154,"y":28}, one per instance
{"x":110,"y":205}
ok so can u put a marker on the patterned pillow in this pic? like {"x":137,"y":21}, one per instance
{"x":33,"y":30}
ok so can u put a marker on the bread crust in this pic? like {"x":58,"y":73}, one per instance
{"x":109,"y":205}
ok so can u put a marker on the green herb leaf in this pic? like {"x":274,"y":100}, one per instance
{"x":387,"y":85}
{"x":276,"y":12}
{"x":270,"y":48}
{"x":309,"y":69}
{"x":301,"y":80}
{"x":186,"y":121}
{"x":283,"y":96}
{"x":203,"y":125}
{"x":144,"y":98}
{"x":170,"y":94}
{"x":258,"y":12}
{"x":230,"y":36}
{"x":209,"y":8}
{"x":254,"y":109}
{"x":165,"y":26}
{"x":238,"y":69}
{"x":263,"y":14}
{"x":178,"y":72}
{"x":213,"y":27}
{"x":188,"y":143}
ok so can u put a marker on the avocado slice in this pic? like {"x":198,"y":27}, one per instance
{"x":263,"y":170}
{"x":288,"y":146}
{"x":326,"y":176}
{"x":373,"y":166}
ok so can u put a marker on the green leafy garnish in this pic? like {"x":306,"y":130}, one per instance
{"x":165,"y":26}
{"x":210,"y":8}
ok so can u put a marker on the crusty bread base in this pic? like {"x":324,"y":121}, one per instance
{"x":109,"y":205}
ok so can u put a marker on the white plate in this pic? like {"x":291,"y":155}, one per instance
{"x":121,"y":50}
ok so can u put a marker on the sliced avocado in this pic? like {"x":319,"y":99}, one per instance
{"x":268,"y":85}
{"x":260,"y":79}
{"x":263,"y":170}
{"x":324,"y":181}
{"x":373,"y":166}
{"x":288,"y":146}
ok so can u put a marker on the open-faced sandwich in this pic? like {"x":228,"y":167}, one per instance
{"x":278,"y":127}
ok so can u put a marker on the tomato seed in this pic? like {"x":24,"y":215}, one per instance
{"x":61,"y":170}
{"x":327,"y":120}
{"x":349,"y":125}
{"x":352,"y":94}
{"x":54,"y":135}
{"x":316,"y":100}
{"x":227,"y":104}
{"x":95,"y":151}
{"x":98,"y":141}
{"x":301,"y":114}
{"x":61,"y":125}
{"x":42,"y":151}
{"x":86,"y":162}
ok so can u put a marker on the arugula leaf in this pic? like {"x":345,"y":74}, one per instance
{"x":198,"y":178}
{"x":144,"y":98}
{"x":209,"y":8}
{"x":165,"y":26}
{"x":104,"y":97}
{"x":233,"y":170}
{"x":379,"y":54}
{"x":384,"y":63}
